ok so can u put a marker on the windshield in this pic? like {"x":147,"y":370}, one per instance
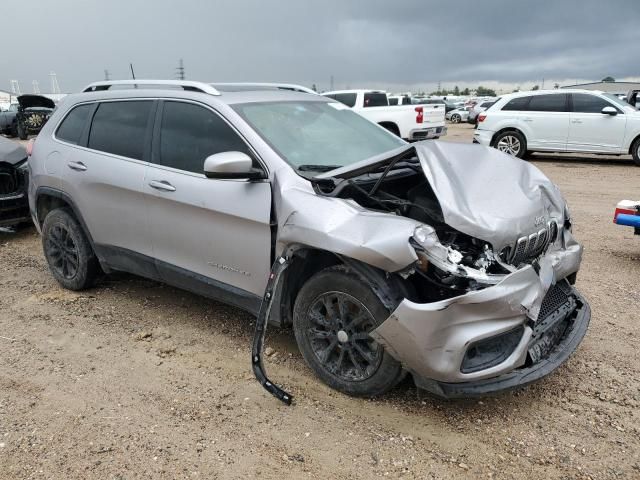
{"x":620,"y":103}
{"x":316,"y":135}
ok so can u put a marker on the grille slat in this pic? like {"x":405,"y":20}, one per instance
{"x":532,"y":246}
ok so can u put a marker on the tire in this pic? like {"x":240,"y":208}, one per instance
{"x":512,"y":143}
{"x":22,"y":131}
{"x":332,"y":347}
{"x":635,"y":152}
{"x":456,"y":118}
{"x":68,"y":252}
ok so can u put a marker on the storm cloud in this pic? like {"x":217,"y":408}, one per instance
{"x":397,"y":45}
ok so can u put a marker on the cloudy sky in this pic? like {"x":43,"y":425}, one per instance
{"x":400,"y":45}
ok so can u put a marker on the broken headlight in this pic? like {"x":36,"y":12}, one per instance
{"x":466,"y":258}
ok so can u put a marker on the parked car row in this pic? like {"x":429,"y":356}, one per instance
{"x":390,"y":257}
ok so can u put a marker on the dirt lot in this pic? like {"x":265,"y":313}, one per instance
{"x":134,"y":379}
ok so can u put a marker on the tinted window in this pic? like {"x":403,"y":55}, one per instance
{"x":393,"y":101}
{"x":375,"y":100}
{"x":349,"y":99}
{"x":585,"y":103}
{"x":190,"y":133}
{"x":487,"y":104}
{"x":517,"y":104}
{"x":548,"y":103}
{"x":70,"y":130}
{"x":119,"y":128}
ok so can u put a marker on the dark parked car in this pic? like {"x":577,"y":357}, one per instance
{"x":14,"y":179}
{"x":28,"y":117}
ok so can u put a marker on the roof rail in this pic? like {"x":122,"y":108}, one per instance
{"x":277,"y":86}
{"x":185,"y":84}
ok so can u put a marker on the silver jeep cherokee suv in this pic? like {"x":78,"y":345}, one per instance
{"x":453,"y":262}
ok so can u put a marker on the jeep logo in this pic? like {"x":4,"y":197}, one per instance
{"x":538,"y":220}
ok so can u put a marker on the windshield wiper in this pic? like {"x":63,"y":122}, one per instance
{"x":317,"y":168}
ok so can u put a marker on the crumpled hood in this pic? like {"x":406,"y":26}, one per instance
{"x":482,"y":192}
{"x":488,"y":194}
{"x":11,"y":152}
{"x":33,"y":101}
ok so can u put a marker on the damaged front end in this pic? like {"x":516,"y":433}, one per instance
{"x":14,"y":179}
{"x":490,"y":302}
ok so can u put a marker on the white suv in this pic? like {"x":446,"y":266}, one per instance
{"x":561,"y":121}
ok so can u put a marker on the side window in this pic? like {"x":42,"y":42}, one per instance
{"x":554,"y":102}
{"x":119,"y":128}
{"x":393,"y":101}
{"x":375,"y":100}
{"x":71,"y":128}
{"x":585,"y":103}
{"x":349,"y":99}
{"x":517,"y":104}
{"x":190,"y":133}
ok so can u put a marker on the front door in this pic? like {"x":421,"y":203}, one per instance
{"x":593,"y":131}
{"x":210,"y":236}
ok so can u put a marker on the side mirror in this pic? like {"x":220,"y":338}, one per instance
{"x":609,"y":111}
{"x":231,"y":165}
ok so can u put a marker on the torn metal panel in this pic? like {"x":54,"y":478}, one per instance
{"x":431,"y":339}
{"x":341,"y":226}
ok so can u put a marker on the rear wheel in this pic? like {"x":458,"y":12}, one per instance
{"x":455,"y":118}
{"x":635,"y":152}
{"x":512,"y":143}
{"x":333,"y":315}
{"x":68,"y":251}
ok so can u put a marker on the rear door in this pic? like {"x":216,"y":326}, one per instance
{"x":546,"y":122}
{"x":211,"y":236}
{"x":104,"y":166}
{"x":593,"y":131}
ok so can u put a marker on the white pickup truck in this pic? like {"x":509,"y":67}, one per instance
{"x":411,"y":122}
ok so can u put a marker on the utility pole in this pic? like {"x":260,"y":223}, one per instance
{"x":15,"y":87}
{"x":55,"y":88}
{"x":107,"y":77}
{"x":180,"y":70}
{"x":331,"y":84}
{"x":543,"y":84}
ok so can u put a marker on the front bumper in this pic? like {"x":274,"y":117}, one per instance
{"x":431,"y":340}
{"x":427,"y":133}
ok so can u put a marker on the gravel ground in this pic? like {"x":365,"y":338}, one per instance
{"x":134,"y":379}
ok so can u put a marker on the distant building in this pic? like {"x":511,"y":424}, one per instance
{"x":617,"y":88}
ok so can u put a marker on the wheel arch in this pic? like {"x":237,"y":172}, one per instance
{"x":391,"y":126}
{"x":633,"y":143}
{"x":48,"y":199}
{"x":307,"y":261}
{"x":508,"y":129}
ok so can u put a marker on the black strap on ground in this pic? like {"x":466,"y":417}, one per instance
{"x":279,"y":266}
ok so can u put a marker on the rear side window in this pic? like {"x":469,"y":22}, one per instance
{"x":375,"y":100}
{"x":349,"y":99}
{"x":393,"y":101}
{"x":190,"y":133}
{"x":119,"y":128}
{"x":71,"y":128}
{"x":517,"y":104}
{"x":585,"y":103}
{"x":548,"y":103}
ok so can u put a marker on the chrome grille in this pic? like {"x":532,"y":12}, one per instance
{"x":530,"y":247}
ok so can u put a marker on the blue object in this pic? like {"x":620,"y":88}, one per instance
{"x":628,"y":220}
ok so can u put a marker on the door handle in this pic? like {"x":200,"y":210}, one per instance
{"x":162,"y":185}
{"x":576,"y":121}
{"x":77,"y":166}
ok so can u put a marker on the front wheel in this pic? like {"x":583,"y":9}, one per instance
{"x":333,"y":315}
{"x":68,"y":251}
{"x":512,"y":143}
{"x":456,"y":118}
{"x":635,"y":152}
